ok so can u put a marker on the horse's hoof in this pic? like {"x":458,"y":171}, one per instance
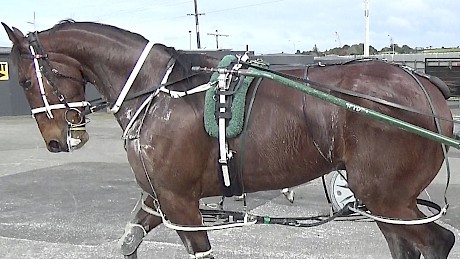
{"x":131,"y":239}
{"x":289,"y":196}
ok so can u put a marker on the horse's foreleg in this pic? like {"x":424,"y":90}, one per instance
{"x":185,"y":212}
{"x":197,"y":244}
{"x":136,"y":229}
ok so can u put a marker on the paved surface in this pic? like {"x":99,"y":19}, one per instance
{"x":76,"y":206}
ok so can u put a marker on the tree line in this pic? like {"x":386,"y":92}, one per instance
{"x":358,"y":49}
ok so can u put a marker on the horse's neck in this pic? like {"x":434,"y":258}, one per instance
{"x":181,"y":79}
{"x":108,"y":68}
{"x":106,"y":62}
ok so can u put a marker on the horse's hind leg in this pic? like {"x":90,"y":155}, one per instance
{"x":439,"y":245}
{"x":388,"y":176}
{"x":405,"y":241}
{"x":136,"y":229}
{"x":400,"y":248}
{"x":408,"y":241}
{"x":432,"y":240}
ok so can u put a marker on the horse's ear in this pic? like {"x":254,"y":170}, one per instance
{"x":15,"y":35}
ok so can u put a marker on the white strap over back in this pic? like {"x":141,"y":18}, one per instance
{"x":132,"y":77}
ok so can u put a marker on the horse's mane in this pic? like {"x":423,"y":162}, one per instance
{"x":69,"y":24}
{"x":185,"y":61}
{"x":92,"y":26}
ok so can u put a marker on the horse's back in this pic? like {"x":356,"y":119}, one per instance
{"x":390,"y":84}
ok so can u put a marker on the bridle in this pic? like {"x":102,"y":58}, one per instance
{"x":43,"y":68}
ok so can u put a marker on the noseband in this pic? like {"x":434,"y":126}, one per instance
{"x":44,"y":68}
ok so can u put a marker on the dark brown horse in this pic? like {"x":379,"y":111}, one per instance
{"x":291,"y":137}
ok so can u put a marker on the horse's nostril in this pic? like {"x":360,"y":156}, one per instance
{"x":54,"y":146}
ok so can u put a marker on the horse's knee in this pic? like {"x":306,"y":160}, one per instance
{"x":131,"y":239}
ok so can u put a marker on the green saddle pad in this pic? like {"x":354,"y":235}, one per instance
{"x":235,"y":125}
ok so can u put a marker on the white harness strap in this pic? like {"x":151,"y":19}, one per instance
{"x":168,"y":72}
{"x":179,"y":94}
{"x":46,"y":104}
{"x":148,"y":209}
{"x":429,"y":219}
{"x":132,"y":77}
{"x":224,"y":80}
{"x":223,"y":147}
{"x":247,"y":220}
{"x":147,"y":101}
{"x":49,"y":107}
{"x":141,"y":108}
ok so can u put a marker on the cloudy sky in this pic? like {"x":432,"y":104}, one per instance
{"x":266,"y":26}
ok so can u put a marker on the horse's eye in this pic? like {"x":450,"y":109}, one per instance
{"x":26,"y":84}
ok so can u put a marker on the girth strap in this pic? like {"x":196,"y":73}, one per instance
{"x":231,"y":185}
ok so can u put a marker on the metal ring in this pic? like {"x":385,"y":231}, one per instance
{"x":70,"y":121}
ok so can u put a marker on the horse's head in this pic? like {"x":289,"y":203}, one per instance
{"x":55,"y":89}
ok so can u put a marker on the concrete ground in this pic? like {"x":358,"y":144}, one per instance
{"x":76,"y":205}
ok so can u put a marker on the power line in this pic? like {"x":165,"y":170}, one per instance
{"x":244,"y":6}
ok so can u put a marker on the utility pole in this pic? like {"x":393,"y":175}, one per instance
{"x":366,"y":31}
{"x":337,"y":39}
{"x":392,"y":46}
{"x":33,"y":23}
{"x":196,"y":14}
{"x":217,"y":37}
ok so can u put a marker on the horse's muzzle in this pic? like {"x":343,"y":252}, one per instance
{"x":55,"y":146}
{"x":73,"y":141}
